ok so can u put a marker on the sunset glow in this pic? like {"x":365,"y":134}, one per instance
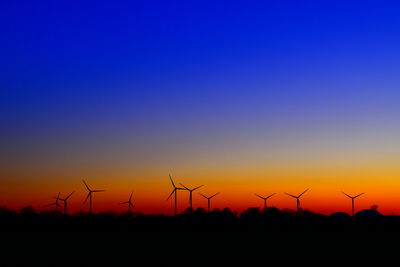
{"x":273,"y":98}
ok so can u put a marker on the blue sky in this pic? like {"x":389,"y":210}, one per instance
{"x":161,"y":75}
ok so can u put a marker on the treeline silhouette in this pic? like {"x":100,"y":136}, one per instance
{"x":198,"y":218}
{"x":218,"y":238}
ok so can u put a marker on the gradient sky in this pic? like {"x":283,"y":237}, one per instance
{"x":242,"y":96}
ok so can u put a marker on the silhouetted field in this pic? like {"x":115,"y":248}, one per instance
{"x":219,"y":238}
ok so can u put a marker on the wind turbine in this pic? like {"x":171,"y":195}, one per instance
{"x":89,"y":195}
{"x":129,"y":202}
{"x":55,"y":203}
{"x":191,"y":195}
{"x":174,"y":192}
{"x":265,"y":200}
{"x":297,"y":200}
{"x":65,"y":202}
{"x":352,"y":201}
{"x":209,"y":200}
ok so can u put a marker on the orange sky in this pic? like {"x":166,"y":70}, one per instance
{"x":237,"y":187}
{"x":259,"y":100}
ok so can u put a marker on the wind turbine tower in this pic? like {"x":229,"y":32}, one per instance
{"x":129,"y":203}
{"x":265,"y":200}
{"x":191,"y":195}
{"x":352,"y":201}
{"x":55,"y":203}
{"x":209,"y":200}
{"x":297,"y":200}
{"x":65,"y":200}
{"x":175,"y":193}
{"x":89,"y":195}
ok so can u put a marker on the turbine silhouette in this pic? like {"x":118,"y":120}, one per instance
{"x":65,"y":200}
{"x":55,"y":203}
{"x":174,"y":192}
{"x":297,"y":200}
{"x":265,"y":200}
{"x":352,"y":201}
{"x":129,"y":202}
{"x":209,"y":200}
{"x":191,"y":195}
{"x":89,"y":195}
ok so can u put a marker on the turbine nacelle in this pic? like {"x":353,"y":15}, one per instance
{"x":66,"y":198}
{"x":191,"y":190}
{"x":297,"y":199}
{"x":353,"y":197}
{"x":299,"y":196}
{"x":209,"y":200}
{"x":129,"y":201}
{"x":55,"y":203}
{"x":352,"y":200}
{"x":210,"y":196}
{"x":265,"y":198}
{"x":89,"y":195}
{"x":174,"y":192}
{"x":175,"y":188}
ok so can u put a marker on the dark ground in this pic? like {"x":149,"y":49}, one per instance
{"x":218,"y":239}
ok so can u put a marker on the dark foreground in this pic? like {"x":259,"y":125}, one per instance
{"x":201,"y":239}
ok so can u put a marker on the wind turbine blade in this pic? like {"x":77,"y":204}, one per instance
{"x":172,"y":181}
{"x":97,"y":191}
{"x":131,"y":205}
{"x":290,"y":195}
{"x":215,"y":195}
{"x":259,"y":196}
{"x":185,"y":187}
{"x":173,"y":191}
{"x":130,"y":197}
{"x":88,"y":188}
{"x":126,"y":202}
{"x":69,"y":195}
{"x":88,"y":195}
{"x":347,"y":195}
{"x":270,"y":195}
{"x":203,"y":195}
{"x":303,"y":192}
{"x":359,"y":195}
{"x":197,"y":187}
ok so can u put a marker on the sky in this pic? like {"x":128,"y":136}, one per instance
{"x":242,"y":96}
